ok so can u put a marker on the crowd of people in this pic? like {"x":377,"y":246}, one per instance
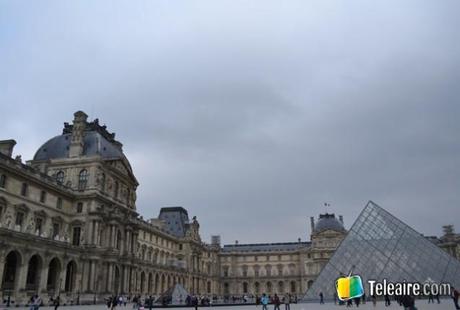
{"x":141,"y":303}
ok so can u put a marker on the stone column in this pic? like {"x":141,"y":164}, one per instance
{"x":128,"y":241}
{"x":43,"y":277}
{"x":2,"y":265}
{"x":91,"y":232}
{"x":96,"y":233}
{"x":20,"y":284}
{"x":110,"y":278}
{"x":86,"y":272}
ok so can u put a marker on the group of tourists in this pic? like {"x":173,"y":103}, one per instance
{"x":275,"y":300}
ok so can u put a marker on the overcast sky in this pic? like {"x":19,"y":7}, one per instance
{"x":251,"y":114}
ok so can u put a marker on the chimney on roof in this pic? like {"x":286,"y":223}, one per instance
{"x":312,"y":223}
{"x":78,"y":132}
{"x":341,"y":219}
{"x":7,"y":146}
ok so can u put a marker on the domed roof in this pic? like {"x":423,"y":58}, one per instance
{"x":96,"y":141}
{"x":328,"y":222}
{"x":94,"y":144}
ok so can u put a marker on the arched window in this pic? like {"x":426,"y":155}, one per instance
{"x":293,"y":287}
{"x":60,"y":177}
{"x":256,"y":287}
{"x":82,"y":179}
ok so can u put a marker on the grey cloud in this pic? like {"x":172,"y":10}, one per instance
{"x":251,"y":114}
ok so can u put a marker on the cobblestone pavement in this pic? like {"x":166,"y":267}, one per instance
{"x":446,"y":304}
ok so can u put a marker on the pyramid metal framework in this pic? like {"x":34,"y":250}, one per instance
{"x":380,"y":246}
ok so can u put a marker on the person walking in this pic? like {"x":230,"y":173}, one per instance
{"x":287,"y":301}
{"x":374,"y":300}
{"x":276,"y":302}
{"x":195,"y":302}
{"x":430,"y":298}
{"x":264,"y":301}
{"x":36,"y":302}
{"x":387,"y":300}
{"x":357,"y":300}
{"x":455,"y":295}
{"x":321,"y":298}
{"x":408,"y":302}
{"x":57,"y":302}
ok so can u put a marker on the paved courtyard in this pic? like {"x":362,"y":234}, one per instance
{"x":445,"y":304}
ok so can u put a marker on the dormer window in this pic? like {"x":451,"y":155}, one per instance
{"x":60,"y":177}
{"x":82,"y":179}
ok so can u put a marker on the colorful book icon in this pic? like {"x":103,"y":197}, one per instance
{"x":349,"y":287}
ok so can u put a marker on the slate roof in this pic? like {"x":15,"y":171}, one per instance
{"x":176,"y":219}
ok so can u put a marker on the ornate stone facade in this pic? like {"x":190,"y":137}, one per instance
{"x":290,"y":267}
{"x":69,"y":227}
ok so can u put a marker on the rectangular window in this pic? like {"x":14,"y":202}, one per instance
{"x":59,"y":203}
{"x":2,"y":180}
{"x":76,"y":236}
{"x":55,"y":230}
{"x":43,"y":197}
{"x":80,"y":207}
{"x":24,"y":189}
{"x":19,"y":218}
{"x":38,"y":225}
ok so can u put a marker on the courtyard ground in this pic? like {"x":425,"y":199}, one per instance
{"x":446,"y":304}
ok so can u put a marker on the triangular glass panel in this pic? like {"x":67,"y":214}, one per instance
{"x":380,"y":246}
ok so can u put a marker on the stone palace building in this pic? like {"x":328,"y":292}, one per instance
{"x":69,"y":227}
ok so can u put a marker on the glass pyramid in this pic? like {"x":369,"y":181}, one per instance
{"x":379,"y":246}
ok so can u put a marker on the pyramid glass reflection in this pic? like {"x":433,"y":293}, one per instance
{"x":379,"y":246}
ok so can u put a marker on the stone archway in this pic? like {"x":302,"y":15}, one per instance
{"x":163,"y":284}
{"x":142,"y":282}
{"x":34,"y":268}
{"x":116,"y":281}
{"x":54,"y":271}
{"x":11,"y":270}
{"x":70,"y":276}
{"x":157,"y":284}
{"x":150,"y":283}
